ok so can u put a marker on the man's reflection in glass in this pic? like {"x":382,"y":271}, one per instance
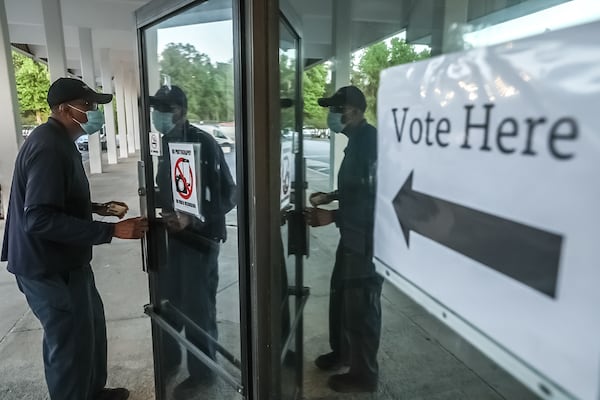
{"x":289,"y":360}
{"x":355,"y":306}
{"x":189,"y":281}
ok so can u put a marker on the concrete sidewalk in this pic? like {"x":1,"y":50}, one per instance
{"x":419,"y":357}
{"x":123,"y":287}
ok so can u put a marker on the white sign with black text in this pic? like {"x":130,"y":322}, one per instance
{"x":488,"y":199}
{"x":287,"y":161}
{"x":185,"y":177}
{"x":155,"y":141}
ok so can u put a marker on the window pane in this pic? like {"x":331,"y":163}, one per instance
{"x":352,"y":318}
{"x":189,"y":70}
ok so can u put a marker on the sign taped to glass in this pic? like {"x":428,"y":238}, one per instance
{"x":487,"y":201}
{"x":186,"y":177}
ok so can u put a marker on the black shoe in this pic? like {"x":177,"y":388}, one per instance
{"x":290,"y":359}
{"x":349,"y":383}
{"x":113,"y":394}
{"x":192,"y":386}
{"x":329,"y":362}
{"x":170,"y":374}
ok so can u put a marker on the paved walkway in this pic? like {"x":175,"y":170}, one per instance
{"x":420,"y":358}
{"x":124,"y":289}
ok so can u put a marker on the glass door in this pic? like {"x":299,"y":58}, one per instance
{"x":293,"y":228}
{"x":189,"y":161}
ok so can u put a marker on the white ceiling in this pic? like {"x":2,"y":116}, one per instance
{"x":374,"y":20}
{"x":112,"y":23}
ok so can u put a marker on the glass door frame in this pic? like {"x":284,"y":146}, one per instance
{"x":297,"y":231}
{"x":256,"y":62}
{"x":259,"y":24}
{"x":146,"y":17}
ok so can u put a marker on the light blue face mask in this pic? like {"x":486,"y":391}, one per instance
{"x":334,"y":122}
{"x":163,"y":121}
{"x":95,"y":120}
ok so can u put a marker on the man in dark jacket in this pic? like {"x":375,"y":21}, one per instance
{"x":48,"y":241}
{"x":355,"y":307}
{"x":191,"y":272}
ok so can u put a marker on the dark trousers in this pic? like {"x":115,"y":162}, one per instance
{"x":190,"y":283}
{"x":355,"y":313}
{"x":72,"y":315}
{"x":285,"y":298}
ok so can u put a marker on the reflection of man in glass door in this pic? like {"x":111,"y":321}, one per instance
{"x":191,"y":276}
{"x":355,"y":307}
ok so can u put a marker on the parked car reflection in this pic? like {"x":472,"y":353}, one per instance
{"x":227,"y":144}
{"x":313,"y":132}
{"x":83,"y":145}
{"x":27,"y":129}
{"x":83,"y":141}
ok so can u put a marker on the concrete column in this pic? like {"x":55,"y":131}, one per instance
{"x":136,"y":111}
{"x":448,"y":17}
{"x":342,"y":14}
{"x":10,"y":121}
{"x":89,"y":77}
{"x":121,"y":115}
{"x":136,"y":83}
{"x":130,"y":112}
{"x":109,"y":116}
{"x":153,"y":67}
{"x":153,"y":73}
{"x":55,"y":40}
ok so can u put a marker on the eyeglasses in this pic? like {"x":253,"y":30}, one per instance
{"x":337,"y":109}
{"x":90,"y":106}
{"x":167,"y":108}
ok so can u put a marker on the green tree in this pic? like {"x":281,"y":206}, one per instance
{"x":366,"y":70}
{"x":33,"y":82}
{"x":366,"y":77}
{"x":223,"y":81}
{"x":403,"y":53}
{"x":208,"y":87}
{"x":287,"y":88}
{"x":315,"y":86}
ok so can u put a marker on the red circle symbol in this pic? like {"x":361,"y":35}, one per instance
{"x":184,"y":178}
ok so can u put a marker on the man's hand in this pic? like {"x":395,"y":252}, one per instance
{"x":176,"y":221}
{"x":132,"y":228}
{"x":284,"y":214}
{"x":318,"y":217}
{"x":319,"y":198}
{"x":111,"y":209}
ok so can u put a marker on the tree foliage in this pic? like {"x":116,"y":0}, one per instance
{"x":210,"y":92}
{"x":287,"y":88}
{"x":33,"y":82}
{"x":208,"y":86}
{"x":315,"y":86}
{"x":366,"y":70}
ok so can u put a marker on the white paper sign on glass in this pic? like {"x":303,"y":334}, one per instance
{"x":488,"y":198}
{"x":155,"y":141}
{"x":287,"y":167}
{"x":186,"y":177}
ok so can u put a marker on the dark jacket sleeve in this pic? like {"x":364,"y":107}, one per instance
{"x":44,"y":208}
{"x":52,"y":224}
{"x":220,"y":180}
{"x":163,"y":180}
{"x":228,"y":188}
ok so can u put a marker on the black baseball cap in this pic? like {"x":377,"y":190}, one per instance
{"x":285,"y":102}
{"x":69,"y":89}
{"x":168,"y":96}
{"x":346,"y":96}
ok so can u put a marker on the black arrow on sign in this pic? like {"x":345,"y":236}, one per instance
{"x":526,"y":254}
